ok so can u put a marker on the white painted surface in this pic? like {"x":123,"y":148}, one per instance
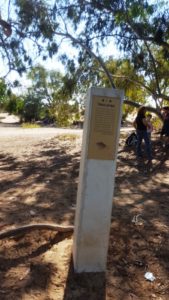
{"x":94,"y":200}
{"x":94,"y":224}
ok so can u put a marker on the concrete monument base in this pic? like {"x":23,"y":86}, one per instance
{"x":96,"y":181}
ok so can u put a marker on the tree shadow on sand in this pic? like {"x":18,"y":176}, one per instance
{"x":45,"y":190}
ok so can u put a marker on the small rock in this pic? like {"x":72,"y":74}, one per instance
{"x":32,"y":213}
{"x":149,"y":276}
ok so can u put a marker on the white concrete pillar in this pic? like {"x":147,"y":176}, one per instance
{"x":96,"y":179}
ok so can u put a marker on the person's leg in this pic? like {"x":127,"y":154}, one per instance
{"x":148,"y":145}
{"x":139,"y":141}
{"x":166,"y":140}
{"x":167,"y":136}
{"x":149,"y":136}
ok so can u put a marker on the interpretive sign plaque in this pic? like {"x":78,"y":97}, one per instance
{"x":103,"y":133}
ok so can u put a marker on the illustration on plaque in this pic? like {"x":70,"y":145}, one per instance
{"x":101,"y":145}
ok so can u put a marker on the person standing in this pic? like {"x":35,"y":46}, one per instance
{"x":165,"y":128}
{"x":141,"y":125}
{"x":149,"y":125}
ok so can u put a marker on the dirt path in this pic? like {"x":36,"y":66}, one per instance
{"x":38,"y":183}
{"x":38,"y":133}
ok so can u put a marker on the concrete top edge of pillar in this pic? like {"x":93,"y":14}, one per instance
{"x":100,"y":91}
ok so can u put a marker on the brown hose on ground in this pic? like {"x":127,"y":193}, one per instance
{"x":42,"y":226}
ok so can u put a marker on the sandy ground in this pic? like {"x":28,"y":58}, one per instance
{"x":38,"y":183}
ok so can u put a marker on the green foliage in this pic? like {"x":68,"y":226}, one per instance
{"x":64,"y":114}
{"x":48,"y":98}
{"x":28,"y":20}
{"x":140,"y":29}
{"x":30,"y":125}
{"x":14,"y":105}
{"x":157,"y":123}
{"x":54,"y":92}
{"x":3,"y":93}
{"x":32,"y":108}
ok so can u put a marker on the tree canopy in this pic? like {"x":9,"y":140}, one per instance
{"x":139,"y":28}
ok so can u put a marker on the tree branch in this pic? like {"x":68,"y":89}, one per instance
{"x":154,"y":94}
{"x":7,"y":54}
{"x":164,"y":97}
{"x":6,"y":27}
{"x":161,"y":43}
{"x":154,"y":66}
{"x":148,"y":108}
{"x":76,"y":41}
{"x":135,"y":81}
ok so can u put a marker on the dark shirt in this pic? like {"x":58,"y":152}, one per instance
{"x":165,"y":128}
{"x":139,"y":123}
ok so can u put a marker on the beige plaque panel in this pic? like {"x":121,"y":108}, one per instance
{"x":103,"y":128}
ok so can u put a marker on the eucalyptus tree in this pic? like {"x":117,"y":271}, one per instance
{"x":3,"y":93}
{"x":139,"y":28}
{"x":27,"y":29}
{"x":50,"y":93}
